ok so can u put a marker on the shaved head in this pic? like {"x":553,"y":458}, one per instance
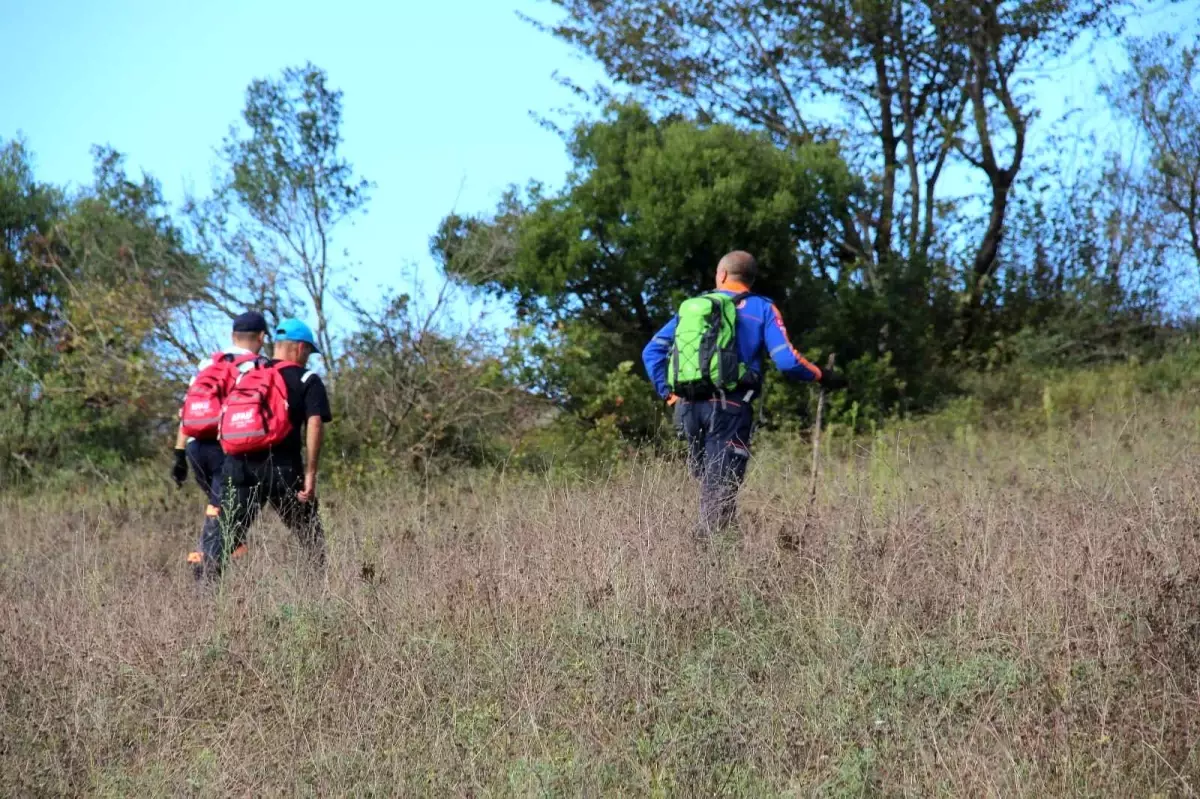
{"x":738,"y":266}
{"x":293,"y":351}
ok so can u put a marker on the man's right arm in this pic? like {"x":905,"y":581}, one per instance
{"x":180,"y":468}
{"x":654,"y":357}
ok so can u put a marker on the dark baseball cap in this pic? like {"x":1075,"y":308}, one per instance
{"x":250,"y":322}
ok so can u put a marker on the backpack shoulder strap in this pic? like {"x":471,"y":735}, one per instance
{"x":257,"y":362}
{"x":213,"y":360}
{"x":736,"y":298}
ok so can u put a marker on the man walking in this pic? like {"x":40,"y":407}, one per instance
{"x":708,"y":363}
{"x":212,"y":381}
{"x":277,"y":410}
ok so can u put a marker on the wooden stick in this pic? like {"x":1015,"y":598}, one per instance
{"x":793,"y":541}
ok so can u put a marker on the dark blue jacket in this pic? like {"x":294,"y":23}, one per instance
{"x":759,"y":329}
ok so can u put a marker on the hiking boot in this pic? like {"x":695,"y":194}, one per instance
{"x":200,"y":568}
{"x":196,"y":561}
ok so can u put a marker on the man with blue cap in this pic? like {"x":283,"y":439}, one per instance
{"x":281,"y":474}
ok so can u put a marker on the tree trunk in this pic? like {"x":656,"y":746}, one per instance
{"x":890,"y":144}
{"x":910,"y":137}
{"x":987,"y":74}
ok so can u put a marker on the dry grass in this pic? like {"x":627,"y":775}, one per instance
{"x":989,"y":614}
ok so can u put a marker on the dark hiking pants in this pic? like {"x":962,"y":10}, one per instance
{"x":207,"y":460}
{"x":718,"y":436}
{"x":247,"y":485}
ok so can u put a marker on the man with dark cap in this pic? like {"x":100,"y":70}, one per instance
{"x":203,"y":452}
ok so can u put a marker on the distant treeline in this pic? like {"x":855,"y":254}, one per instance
{"x":829,"y":143}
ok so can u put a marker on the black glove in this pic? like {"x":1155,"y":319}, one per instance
{"x":832,"y":381}
{"x":180,"y":469}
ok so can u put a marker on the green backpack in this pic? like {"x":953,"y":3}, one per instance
{"x":704,"y":359}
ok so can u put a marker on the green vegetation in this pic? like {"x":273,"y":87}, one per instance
{"x":996,"y":591}
{"x":109,"y":294}
{"x":91,"y":286}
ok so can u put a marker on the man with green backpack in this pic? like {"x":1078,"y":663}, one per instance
{"x":707,"y":362}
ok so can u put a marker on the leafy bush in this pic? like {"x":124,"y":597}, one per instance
{"x":411,"y":397}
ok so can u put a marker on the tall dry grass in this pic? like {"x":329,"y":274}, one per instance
{"x":981,"y":614}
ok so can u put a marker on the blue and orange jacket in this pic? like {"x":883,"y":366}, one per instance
{"x":759,"y":329}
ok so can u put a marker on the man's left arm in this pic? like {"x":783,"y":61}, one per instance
{"x":179,"y":470}
{"x":318,"y":413}
{"x":314,"y":438}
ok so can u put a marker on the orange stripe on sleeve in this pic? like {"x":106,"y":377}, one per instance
{"x":812,"y":367}
{"x":799,"y":358}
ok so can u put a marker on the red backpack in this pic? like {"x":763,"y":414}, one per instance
{"x":255,"y":416}
{"x":200,"y":416}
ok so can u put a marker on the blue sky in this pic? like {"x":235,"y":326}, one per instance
{"x":437,"y":101}
{"x":438,"y":96}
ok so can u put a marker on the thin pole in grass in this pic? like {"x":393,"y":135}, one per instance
{"x":794,"y":541}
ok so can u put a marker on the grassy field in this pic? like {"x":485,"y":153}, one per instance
{"x":977,"y":611}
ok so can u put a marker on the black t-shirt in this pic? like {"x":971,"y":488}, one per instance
{"x":306,"y":399}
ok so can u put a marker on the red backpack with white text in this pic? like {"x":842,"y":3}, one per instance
{"x":255,"y":416}
{"x":200,"y":416}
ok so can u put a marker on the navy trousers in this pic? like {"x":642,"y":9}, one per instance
{"x":207,"y":460}
{"x":246,"y":484}
{"x":718,"y":436}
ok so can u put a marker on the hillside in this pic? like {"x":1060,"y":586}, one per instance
{"x":999,"y":604}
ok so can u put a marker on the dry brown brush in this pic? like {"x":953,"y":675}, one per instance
{"x":979,"y":614}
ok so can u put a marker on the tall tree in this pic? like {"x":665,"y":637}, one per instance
{"x":648,"y":210}
{"x":287,"y":187}
{"x":921,"y":83}
{"x":1004,"y":41}
{"x":89,"y":339}
{"x":1160,"y":94}
{"x":29,"y":291}
{"x":1084,"y":273}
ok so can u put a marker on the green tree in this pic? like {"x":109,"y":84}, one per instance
{"x":30,"y":292}
{"x":421,"y":391}
{"x":923,"y":85}
{"x":1084,"y":275}
{"x":647,"y":211}
{"x":85,"y":377}
{"x":284,"y":190}
{"x":1160,"y":94}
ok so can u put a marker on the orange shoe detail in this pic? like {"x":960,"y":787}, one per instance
{"x":195,"y":558}
{"x":239,"y":551}
{"x":212,"y":511}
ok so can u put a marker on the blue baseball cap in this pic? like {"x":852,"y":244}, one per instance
{"x":295,"y":330}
